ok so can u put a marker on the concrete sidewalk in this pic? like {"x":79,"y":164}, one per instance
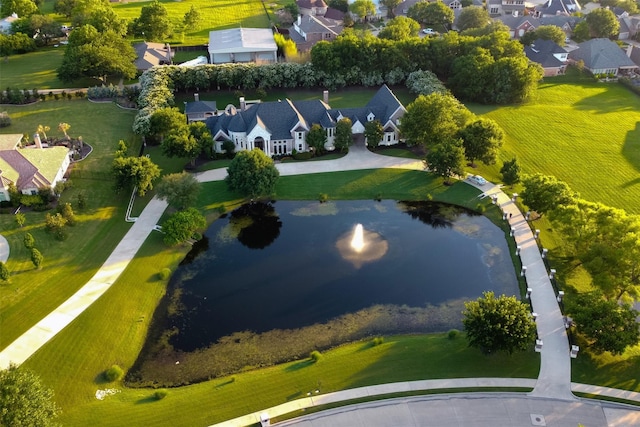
{"x":432,"y":416}
{"x":554,"y":380}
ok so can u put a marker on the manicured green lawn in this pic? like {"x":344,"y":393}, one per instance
{"x":37,"y":70}
{"x":70,"y":264}
{"x":585,"y":133}
{"x":218,"y":15}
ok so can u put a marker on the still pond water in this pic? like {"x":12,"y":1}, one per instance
{"x":286,"y":265}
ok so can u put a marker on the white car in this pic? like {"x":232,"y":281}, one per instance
{"x":477,"y":179}
{"x":429,"y":31}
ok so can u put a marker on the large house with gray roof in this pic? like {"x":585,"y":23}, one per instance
{"x":280,"y":127}
{"x":30,"y":168}
{"x":603,"y":56}
{"x":552,"y":57}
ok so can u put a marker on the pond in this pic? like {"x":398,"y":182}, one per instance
{"x":287,"y":265}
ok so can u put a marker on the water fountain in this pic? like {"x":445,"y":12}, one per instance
{"x":362,"y":246}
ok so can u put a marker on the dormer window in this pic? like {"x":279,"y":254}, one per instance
{"x":370,"y":117}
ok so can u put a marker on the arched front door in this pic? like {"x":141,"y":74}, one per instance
{"x":259,"y":143}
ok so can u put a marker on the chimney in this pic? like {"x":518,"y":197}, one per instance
{"x":243,"y":105}
{"x":325,"y":96}
{"x":299,"y":19}
{"x":196,"y":96}
{"x":36,"y":139}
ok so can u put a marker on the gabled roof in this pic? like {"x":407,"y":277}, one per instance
{"x":151,"y":55}
{"x":514,"y":22}
{"x":308,"y":4}
{"x":281,"y":117}
{"x":560,"y":20}
{"x":334,"y":14}
{"x":601,"y":53}
{"x":311,"y":24}
{"x":557,"y":7}
{"x":200,"y":107}
{"x":542,"y":52}
{"x":635,"y":55}
{"x":242,"y":40}
{"x":31,"y":167}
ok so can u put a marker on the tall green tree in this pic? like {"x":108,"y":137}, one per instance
{"x":252,"y":174}
{"x":446,"y":159}
{"x":604,"y":240}
{"x":163,"y":121}
{"x":344,"y":135}
{"x":180,"y":143}
{"x":390,"y":5}
{"x":23,"y":8}
{"x":436,"y":13}
{"x":45,"y":27}
{"x":363,"y":8}
{"x":97,"y":55}
{"x":29,"y":241}
{"x":510,"y":171}
{"x":316,"y":138}
{"x":481,"y":140}
{"x":180,"y":190}
{"x":498,"y":324}
{"x":544,"y":193}
{"x":373,"y":132}
{"x":425,"y":83}
{"x":606,"y":324}
{"x":192,"y":19}
{"x":400,"y":28}
{"x":472,"y":17}
{"x":603,"y":23}
{"x":154,"y":23}
{"x":130,"y":172}
{"x":182,"y":225}
{"x":64,"y":7}
{"x":544,"y":32}
{"x":24,"y":400}
{"x":433,"y":119}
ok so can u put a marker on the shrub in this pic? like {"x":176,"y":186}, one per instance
{"x":315,"y":356}
{"x":114,"y":373}
{"x":29,"y":241}
{"x":160,"y":393}
{"x":453,"y":333}
{"x":481,"y":208}
{"x":36,"y":258}
{"x":30,"y":200}
{"x":323,"y":197}
{"x":5,"y":120}
{"x":164,"y":274}
{"x":305,"y":155}
{"x":377,"y":341}
{"x":66,"y":211}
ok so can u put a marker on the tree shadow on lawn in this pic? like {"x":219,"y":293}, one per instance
{"x":631,"y":152}
{"x":299,"y":365}
{"x":148,"y":399}
{"x":604,"y":102}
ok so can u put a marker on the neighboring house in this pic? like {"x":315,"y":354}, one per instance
{"x":309,"y":30}
{"x":633,"y":24}
{"x":565,"y":23}
{"x":200,"y":110}
{"x":5,"y":23}
{"x":312,"y":7}
{"x":152,"y":54}
{"x":280,"y":127}
{"x":603,"y":56}
{"x":505,"y":7}
{"x":30,"y":168}
{"x":519,"y":25}
{"x":242,"y":45}
{"x":403,"y":8}
{"x":557,"y":7}
{"x":591,"y":6}
{"x":624,"y":33}
{"x":633,"y":52}
{"x":453,"y":4}
{"x":549,"y":55}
